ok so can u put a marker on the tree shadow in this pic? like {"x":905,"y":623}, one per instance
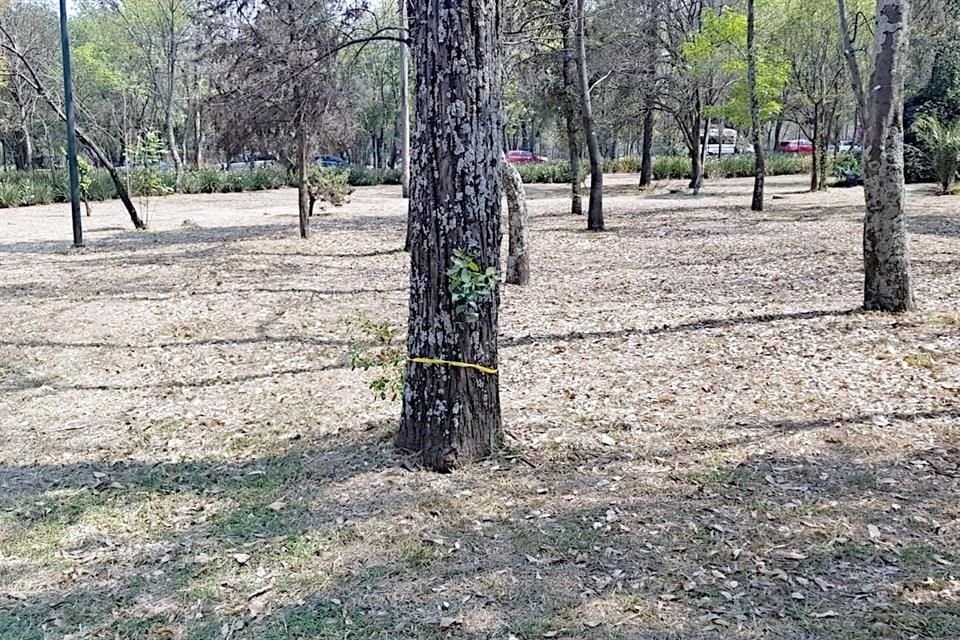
{"x":698,"y":325}
{"x":762,"y":545}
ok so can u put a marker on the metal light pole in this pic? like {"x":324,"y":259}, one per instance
{"x":71,"y":129}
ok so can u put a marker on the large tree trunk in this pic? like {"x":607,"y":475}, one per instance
{"x":571,"y":109}
{"x":887,"y":285}
{"x":646,"y":152}
{"x":303,"y":168}
{"x":518,"y":257}
{"x":595,"y":210}
{"x":451,"y":414}
{"x":759,"y":168}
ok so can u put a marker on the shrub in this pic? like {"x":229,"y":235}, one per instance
{"x":916,"y":165}
{"x":545,"y":173}
{"x":671,"y":168}
{"x":943,"y":149}
{"x":364,"y":177}
{"x":328,"y":185}
{"x":846,"y":163}
{"x":10,"y":194}
{"x":101,"y":186}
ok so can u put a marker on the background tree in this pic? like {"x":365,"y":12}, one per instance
{"x":595,"y":208}
{"x":278,"y":86}
{"x":452,"y":414}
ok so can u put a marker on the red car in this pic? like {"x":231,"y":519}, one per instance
{"x":800,"y":145}
{"x":524,"y":157}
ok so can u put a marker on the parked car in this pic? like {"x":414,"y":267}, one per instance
{"x":798,"y":145}
{"x":721,"y":145}
{"x":251,"y":162}
{"x":328,"y":161}
{"x":848,"y":146}
{"x":524,"y":157}
{"x":159,"y":165}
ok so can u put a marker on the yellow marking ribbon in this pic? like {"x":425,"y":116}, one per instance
{"x":462,"y":365}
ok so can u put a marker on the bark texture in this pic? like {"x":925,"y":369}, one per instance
{"x":451,"y":415}
{"x":518,"y":256}
{"x":887,"y":285}
{"x":595,"y":210}
{"x":759,"y":166}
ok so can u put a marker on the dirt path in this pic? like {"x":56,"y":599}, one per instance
{"x":706,"y":438}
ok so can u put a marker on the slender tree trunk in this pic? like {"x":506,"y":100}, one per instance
{"x":595,"y":210}
{"x":451,"y":415}
{"x":694,"y":147}
{"x":856,"y":77}
{"x":303,"y":188}
{"x":646,"y":152}
{"x":405,"y":114}
{"x":817,"y":149}
{"x":759,"y":168}
{"x":571,"y":113}
{"x":571,"y":109}
{"x":887,"y":283}
{"x":518,"y":257}
{"x":777,"y":132}
{"x":168,"y":118}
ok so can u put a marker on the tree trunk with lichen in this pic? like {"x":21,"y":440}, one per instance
{"x":451,"y":415}
{"x":518,"y":256}
{"x":887,"y":285}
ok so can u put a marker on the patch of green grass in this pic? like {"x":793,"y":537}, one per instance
{"x":417,"y":554}
{"x":927,"y":558}
{"x":921,"y":360}
{"x":311,"y":622}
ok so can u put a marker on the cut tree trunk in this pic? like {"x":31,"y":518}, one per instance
{"x":595,"y":209}
{"x":451,"y":415}
{"x":518,"y":257}
{"x":887,"y":283}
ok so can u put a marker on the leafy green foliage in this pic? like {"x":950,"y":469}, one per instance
{"x":377,"y":345}
{"x":469,"y":284}
{"x":943,"y":149}
{"x":844,"y":163}
{"x":329,"y":185}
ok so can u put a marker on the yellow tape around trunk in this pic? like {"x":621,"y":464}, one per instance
{"x":451,"y":363}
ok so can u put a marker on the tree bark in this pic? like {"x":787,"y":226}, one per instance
{"x":518,"y":257}
{"x":887,"y":283}
{"x":759,"y":168}
{"x":571,"y":108}
{"x":451,"y":415}
{"x":595,"y":210}
{"x":646,"y":152}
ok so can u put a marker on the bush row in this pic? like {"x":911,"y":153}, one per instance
{"x":19,"y":189}
{"x":671,"y":168}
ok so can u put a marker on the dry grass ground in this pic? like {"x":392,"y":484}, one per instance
{"x":706,"y":438}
